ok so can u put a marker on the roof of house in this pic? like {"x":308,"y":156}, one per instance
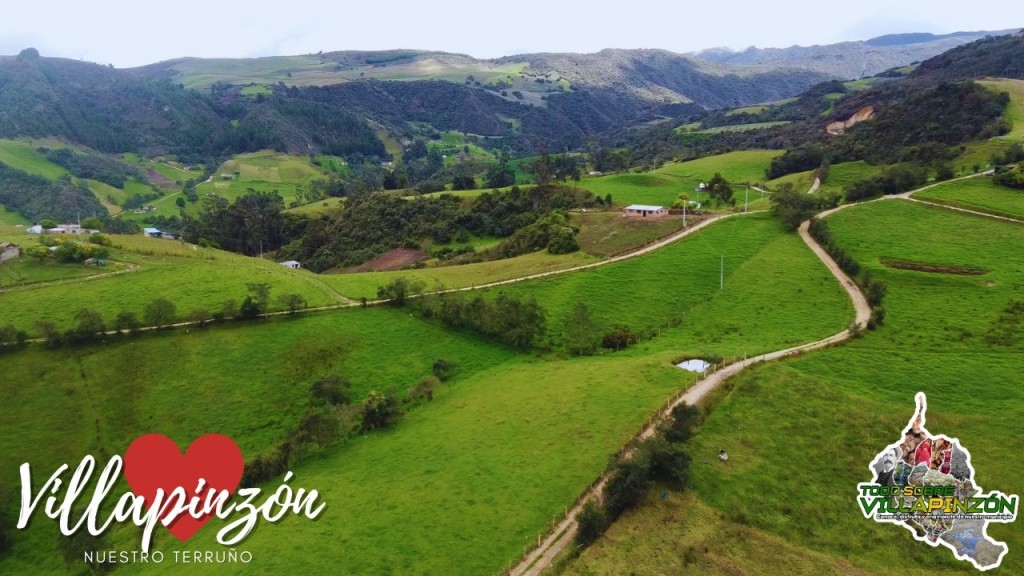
{"x":151,"y":230}
{"x":644,"y":207}
{"x":290,"y":263}
{"x":6,"y":245}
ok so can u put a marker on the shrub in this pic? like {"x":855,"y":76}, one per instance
{"x":592,"y":521}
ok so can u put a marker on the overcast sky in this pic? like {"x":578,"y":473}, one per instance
{"x":133,"y":33}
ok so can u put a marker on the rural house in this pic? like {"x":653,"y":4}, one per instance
{"x":152,"y":233}
{"x":643,"y":211}
{"x":293,"y":264}
{"x":9,"y":251}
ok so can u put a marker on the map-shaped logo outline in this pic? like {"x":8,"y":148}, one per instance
{"x":917,"y":423}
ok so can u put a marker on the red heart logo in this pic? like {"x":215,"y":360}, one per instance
{"x":154,"y":461}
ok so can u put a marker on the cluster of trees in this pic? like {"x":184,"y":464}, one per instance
{"x":1010,"y":178}
{"x":915,"y":122}
{"x":92,"y":166}
{"x":69,"y":249}
{"x":792,"y":206}
{"x":660,"y":459}
{"x":513,"y":321}
{"x":37,"y":198}
{"x":894,"y":180}
{"x":581,"y":334}
{"x":90,"y":326}
{"x":332,"y":415}
{"x":372,"y":224}
{"x":254,"y":223}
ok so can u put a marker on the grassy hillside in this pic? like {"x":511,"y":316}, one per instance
{"x":365,"y":284}
{"x":251,"y":383}
{"x":840,"y":176}
{"x":980,"y":194}
{"x":664,"y":185}
{"x":22,"y":154}
{"x":188,"y":276}
{"x":935,"y":339}
{"x":462,"y":484}
{"x":680,"y":284}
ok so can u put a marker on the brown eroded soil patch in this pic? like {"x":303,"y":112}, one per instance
{"x":160,"y":180}
{"x":933,"y":268}
{"x":391,"y":260}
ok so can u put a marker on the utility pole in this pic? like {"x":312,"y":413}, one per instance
{"x":684,"y":214}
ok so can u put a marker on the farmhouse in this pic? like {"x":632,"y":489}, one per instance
{"x":643,"y":211}
{"x":293,"y":264}
{"x":152,"y":232}
{"x":9,"y":251}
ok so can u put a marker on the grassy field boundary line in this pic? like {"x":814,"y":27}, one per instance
{"x":969,"y":208}
{"x":535,"y":561}
{"x":34,"y":285}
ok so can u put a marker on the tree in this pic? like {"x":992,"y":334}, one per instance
{"x":399,"y":289}
{"x":592,"y":521}
{"x":293,"y":302}
{"x":581,"y":331}
{"x":500,"y":174}
{"x":48,"y":329}
{"x":680,"y":425}
{"x":200,"y":316}
{"x":229,"y":308}
{"x":38,"y":252}
{"x":89,"y":324}
{"x":379,"y":410}
{"x":160,"y":312}
{"x":332,"y":390}
{"x":260,"y":294}
{"x":792,"y":207}
{"x":92,"y":223}
{"x":126,"y":320}
{"x":49,"y":223}
{"x":719,"y":190}
{"x":619,"y":338}
{"x":319,"y":426}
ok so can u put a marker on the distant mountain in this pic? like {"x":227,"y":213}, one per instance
{"x":346,"y":103}
{"x":850,"y":60}
{"x":1000,"y":57}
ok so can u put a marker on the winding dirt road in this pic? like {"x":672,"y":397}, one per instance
{"x":562,"y":535}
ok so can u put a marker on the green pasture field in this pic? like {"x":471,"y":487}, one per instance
{"x":1015,"y":111}
{"x":189,"y":276}
{"x":463,"y":484}
{"x":250,"y":381}
{"x":25,"y":271}
{"x":319,"y":208}
{"x":172,"y":170}
{"x":743,"y":127}
{"x":452,"y":144}
{"x":981,"y":194}
{"x":365,"y":284}
{"x":104,"y":192}
{"x":840,"y":176}
{"x":763,"y":267}
{"x":262,"y":171}
{"x":664,"y":185}
{"x":607,"y":233}
{"x":12,"y":218}
{"x":22,"y":154}
{"x":857,"y":399}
